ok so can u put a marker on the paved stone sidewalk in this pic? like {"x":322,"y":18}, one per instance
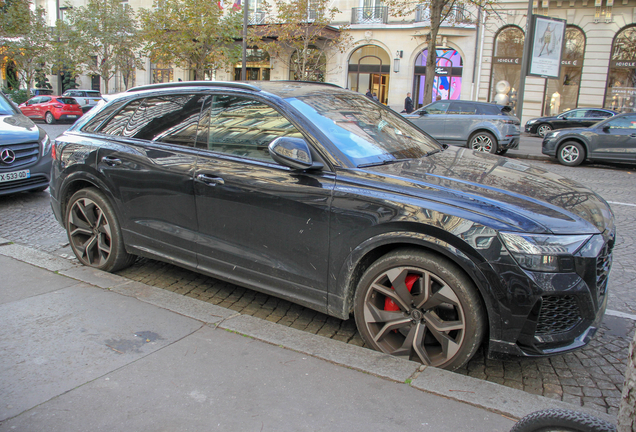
{"x":590,"y":377}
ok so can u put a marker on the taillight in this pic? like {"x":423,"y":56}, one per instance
{"x":54,"y":150}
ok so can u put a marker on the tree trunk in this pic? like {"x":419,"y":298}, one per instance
{"x":431,"y":60}
{"x":627,"y":412}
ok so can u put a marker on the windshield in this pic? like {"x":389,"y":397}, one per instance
{"x":364,"y":131}
{"x":5,"y":106}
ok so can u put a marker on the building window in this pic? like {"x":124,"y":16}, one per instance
{"x":621,"y":80}
{"x":447,"y":83}
{"x":161,"y":73}
{"x":369,"y":69}
{"x":506,"y":66}
{"x":563,"y":94}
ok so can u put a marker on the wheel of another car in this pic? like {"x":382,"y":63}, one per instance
{"x":571,"y":153}
{"x":543,"y":129}
{"x":48,"y":118}
{"x":484,"y":142}
{"x":417,"y":305}
{"x":94,"y":232}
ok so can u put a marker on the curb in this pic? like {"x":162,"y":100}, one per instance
{"x":483,"y":394}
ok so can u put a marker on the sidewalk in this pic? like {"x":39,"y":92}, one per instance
{"x":87,"y":350}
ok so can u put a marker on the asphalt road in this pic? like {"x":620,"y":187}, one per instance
{"x":592,"y":376}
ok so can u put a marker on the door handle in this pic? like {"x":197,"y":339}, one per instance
{"x":111,"y":161}
{"x":209,"y":180}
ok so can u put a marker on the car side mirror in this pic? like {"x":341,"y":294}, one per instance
{"x":423,"y":112}
{"x":606,"y":128}
{"x":293,"y":153}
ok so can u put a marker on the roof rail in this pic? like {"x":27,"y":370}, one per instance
{"x":231,"y":84}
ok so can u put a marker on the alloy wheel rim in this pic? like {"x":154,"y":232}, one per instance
{"x":482,"y":143}
{"x":543,"y":130}
{"x":90,"y":232}
{"x":570,"y":153}
{"x":425,"y":322}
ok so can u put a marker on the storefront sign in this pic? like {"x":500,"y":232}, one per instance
{"x":569,"y":62}
{"x":623,"y":64}
{"x":507,"y":60}
{"x":624,"y":91}
{"x":548,"y":36}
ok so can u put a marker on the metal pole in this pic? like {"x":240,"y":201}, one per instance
{"x":524,"y":64}
{"x":243,"y":64}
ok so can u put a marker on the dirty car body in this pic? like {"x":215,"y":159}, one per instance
{"x":320,"y":196}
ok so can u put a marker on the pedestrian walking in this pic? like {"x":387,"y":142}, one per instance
{"x":408,"y":104}
{"x":369,"y":94}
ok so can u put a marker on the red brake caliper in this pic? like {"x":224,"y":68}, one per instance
{"x":389,"y":305}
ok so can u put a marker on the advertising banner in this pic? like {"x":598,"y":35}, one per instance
{"x":548,"y":36}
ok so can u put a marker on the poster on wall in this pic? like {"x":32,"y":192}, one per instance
{"x":548,"y":35}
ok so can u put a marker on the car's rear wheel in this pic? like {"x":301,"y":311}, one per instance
{"x":48,"y":118}
{"x":94,"y":232}
{"x":543,"y":129}
{"x":483,"y":142}
{"x":571,"y":153}
{"x":419,"y":306}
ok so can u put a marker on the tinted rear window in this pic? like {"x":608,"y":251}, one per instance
{"x":67,"y":100}
{"x":488,"y":110}
{"x":93,"y":94}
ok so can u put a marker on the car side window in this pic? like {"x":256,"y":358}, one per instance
{"x":118,"y":122}
{"x":461,"y":108}
{"x":438,"y":107}
{"x":626,"y":122}
{"x":598,"y":114}
{"x":170,"y":119}
{"x":575,"y":114}
{"x":44,"y":99}
{"x":34,"y":100}
{"x":240,"y":126}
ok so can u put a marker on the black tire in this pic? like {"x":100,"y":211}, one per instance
{"x":94,"y":232}
{"x":483,"y":142}
{"x":543,"y":129}
{"x":48,"y":118}
{"x":562,"y":420}
{"x":571,"y":153}
{"x":502,"y":152}
{"x":439,"y":321}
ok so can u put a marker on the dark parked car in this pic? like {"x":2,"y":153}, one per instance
{"x":612,"y":140}
{"x":52,"y":109}
{"x":321,"y":196}
{"x":579,"y":117}
{"x":25,"y":152}
{"x":478,"y":125}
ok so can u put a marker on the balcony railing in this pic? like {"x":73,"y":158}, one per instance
{"x":457,"y":15}
{"x":257,"y":17}
{"x":370,"y":15}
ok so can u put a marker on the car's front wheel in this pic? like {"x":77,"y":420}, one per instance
{"x":48,"y":118}
{"x":94,"y":232}
{"x":419,"y":306}
{"x":483,"y":142}
{"x":543,"y":129}
{"x":571,"y":153}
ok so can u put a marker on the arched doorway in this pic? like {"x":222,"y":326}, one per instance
{"x":448,"y":76}
{"x":505,"y":75}
{"x":621,"y":79}
{"x":369,"y":68}
{"x":257,"y":65}
{"x":563,"y":93}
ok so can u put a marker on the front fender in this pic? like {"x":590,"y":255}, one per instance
{"x":340,"y":301}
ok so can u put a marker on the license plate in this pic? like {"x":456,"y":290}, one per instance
{"x":71,"y":116}
{"x":16,"y":175}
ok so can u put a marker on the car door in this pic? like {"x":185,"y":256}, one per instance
{"x":41,"y":107}
{"x":460,"y":121}
{"x":147,"y":158}
{"x":572,"y":119}
{"x":432,"y":119}
{"x":615,"y":139}
{"x":259,"y":222}
{"x":29,"y":107}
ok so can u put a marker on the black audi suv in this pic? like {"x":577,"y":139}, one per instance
{"x":318,"y":195}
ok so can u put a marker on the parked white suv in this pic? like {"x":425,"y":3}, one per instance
{"x":86,"y":98}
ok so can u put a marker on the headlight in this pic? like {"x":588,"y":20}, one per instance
{"x":533,"y":121}
{"x":542,"y":252}
{"x":45,"y":145}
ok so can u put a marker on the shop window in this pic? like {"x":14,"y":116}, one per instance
{"x":506,"y":66}
{"x":447,"y":83}
{"x":621,"y":80}
{"x":562,"y":94}
{"x":257,"y":63}
{"x":369,"y":69}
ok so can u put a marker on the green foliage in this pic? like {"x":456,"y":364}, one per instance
{"x":17,"y":96}
{"x":68,"y":81}
{"x":195,"y":34}
{"x":41,"y":80}
{"x":301,"y":33}
{"x":101,"y":34}
{"x":14,"y":17}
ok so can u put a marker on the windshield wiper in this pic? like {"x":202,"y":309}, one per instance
{"x":384,"y":162}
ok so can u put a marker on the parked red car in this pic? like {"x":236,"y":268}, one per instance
{"x":52,"y":108}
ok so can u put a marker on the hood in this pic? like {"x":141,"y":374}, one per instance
{"x":17,"y":129}
{"x":512,"y":195}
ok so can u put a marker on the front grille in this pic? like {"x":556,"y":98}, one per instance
{"x":603,"y":265}
{"x":558,"y":314}
{"x":35,"y":180}
{"x":25,"y":154}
